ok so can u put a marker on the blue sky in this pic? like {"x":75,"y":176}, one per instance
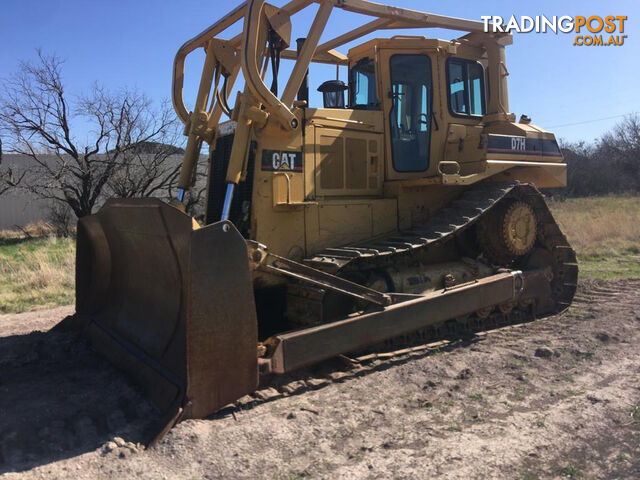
{"x":132,"y":43}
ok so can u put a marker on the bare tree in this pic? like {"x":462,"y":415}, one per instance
{"x":61,"y":219}
{"x":38,"y":120}
{"x":152,"y":170}
{"x":9,"y":181}
{"x":145,"y":171}
{"x":608,"y":165}
{"x":622,"y":145}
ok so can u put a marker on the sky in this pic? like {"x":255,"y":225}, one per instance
{"x":578,"y":92}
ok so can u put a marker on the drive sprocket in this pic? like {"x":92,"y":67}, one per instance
{"x":519,"y":228}
{"x":508,"y":232}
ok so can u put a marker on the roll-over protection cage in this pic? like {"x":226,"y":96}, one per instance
{"x":266,"y":26}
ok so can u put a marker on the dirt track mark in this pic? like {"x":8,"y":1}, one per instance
{"x":492,"y":409}
{"x":59,"y":399}
{"x":38,"y":320}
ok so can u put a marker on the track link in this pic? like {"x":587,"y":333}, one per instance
{"x":460,"y":214}
{"x":592,"y":295}
{"x":451,"y":335}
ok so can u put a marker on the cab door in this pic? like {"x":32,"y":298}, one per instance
{"x":408,"y":104}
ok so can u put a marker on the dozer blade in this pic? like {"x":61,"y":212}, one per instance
{"x":170,"y":304}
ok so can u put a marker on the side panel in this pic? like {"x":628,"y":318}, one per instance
{"x":340,"y":222}
{"x":542,"y":176}
{"x":348,"y":162}
{"x":384,"y":216}
{"x":296,"y":212}
{"x":466,"y":145}
{"x":416,"y":204}
{"x":277,"y":210}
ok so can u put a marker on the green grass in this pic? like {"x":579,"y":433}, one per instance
{"x":622,"y":456}
{"x":605,"y":232}
{"x":570,"y":471}
{"x":635,"y":415}
{"x":36,"y":273}
{"x":528,"y":476}
{"x":621,"y":264}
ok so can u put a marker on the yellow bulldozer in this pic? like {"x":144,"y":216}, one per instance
{"x":405,"y":208}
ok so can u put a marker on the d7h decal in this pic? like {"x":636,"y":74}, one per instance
{"x":278,"y":160}
{"x":517,"y":145}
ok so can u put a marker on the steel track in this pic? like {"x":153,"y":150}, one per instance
{"x":444,"y":226}
{"x":460,"y":214}
{"x":452,"y":335}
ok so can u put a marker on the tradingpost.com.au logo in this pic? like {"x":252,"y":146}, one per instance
{"x":590,"y":31}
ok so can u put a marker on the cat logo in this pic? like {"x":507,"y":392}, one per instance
{"x":284,"y":161}
{"x":276,"y":160}
{"x":518,"y":143}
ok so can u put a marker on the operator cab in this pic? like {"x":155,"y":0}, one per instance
{"x":419,"y":88}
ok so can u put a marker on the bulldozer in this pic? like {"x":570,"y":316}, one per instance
{"x":407,"y":206}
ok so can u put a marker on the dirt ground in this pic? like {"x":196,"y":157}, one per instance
{"x":559,"y":397}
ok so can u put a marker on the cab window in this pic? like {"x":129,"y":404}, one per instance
{"x":466,"y":87}
{"x":362,"y":86}
{"x":410,"y":115}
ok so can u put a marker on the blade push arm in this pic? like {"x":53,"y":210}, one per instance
{"x":260,"y":258}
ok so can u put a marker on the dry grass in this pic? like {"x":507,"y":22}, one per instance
{"x":33,"y":230}
{"x":605,"y":232}
{"x":35,"y":272}
{"x":600,"y":223}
